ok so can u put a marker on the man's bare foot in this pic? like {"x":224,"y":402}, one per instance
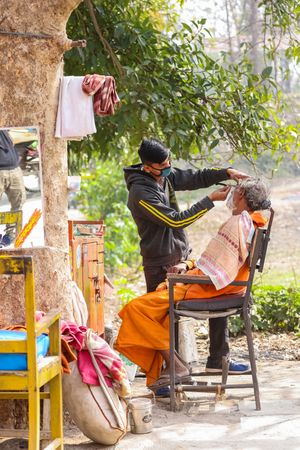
{"x":179,"y":371}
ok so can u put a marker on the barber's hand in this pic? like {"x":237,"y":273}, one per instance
{"x":179,"y":268}
{"x":219,"y":194}
{"x":236,"y":175}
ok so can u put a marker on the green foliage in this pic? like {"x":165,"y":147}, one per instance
{"x":170,"y":87}
{"x":124,"y":293}
{"x":103,"y":195}
{"x":276,"y":309}
{"x":121,"y":244}
{"x":281,"y":17}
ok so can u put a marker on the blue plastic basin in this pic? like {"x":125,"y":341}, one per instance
{"x":18,"y":361}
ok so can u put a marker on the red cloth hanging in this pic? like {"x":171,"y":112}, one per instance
{"x":104,"y":90}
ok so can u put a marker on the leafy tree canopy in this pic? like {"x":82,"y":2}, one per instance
{"x":170,"y":87}
{"x":281,"y":19}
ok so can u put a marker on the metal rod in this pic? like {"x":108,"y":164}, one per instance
{"x":172,"y":344}
{"x":27,"y":35}
{"x":216,"y":374}
{"x":247,"y":322}
{"x":213,"y":388}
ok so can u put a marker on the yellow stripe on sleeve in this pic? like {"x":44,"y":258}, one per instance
{"x":171,"y":222}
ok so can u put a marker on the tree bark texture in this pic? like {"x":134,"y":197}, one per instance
{"x":32,"y":43}
{"x":30,"y":72}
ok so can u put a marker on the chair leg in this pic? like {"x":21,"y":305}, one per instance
{"x":225,"y":368}
{"x":34,"y":419}
{"x":248,"y":330}
{"x":176,"y":328}
{"x":56,"y":414}
{"x":172,"y":349}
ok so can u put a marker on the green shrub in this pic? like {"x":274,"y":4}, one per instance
{"x":276,"y":309}
{"x":124,"y":293}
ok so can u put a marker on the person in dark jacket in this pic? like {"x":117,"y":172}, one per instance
{"x":163,"y":241}
{"x":11,"y":178}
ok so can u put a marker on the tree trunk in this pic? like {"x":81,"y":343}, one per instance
{"x":32,"y":43}
{"x":255,"y":33}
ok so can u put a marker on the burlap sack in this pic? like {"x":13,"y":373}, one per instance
{"x":91,"y":411}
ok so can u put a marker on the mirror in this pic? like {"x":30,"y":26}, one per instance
{"x":20,"y":184}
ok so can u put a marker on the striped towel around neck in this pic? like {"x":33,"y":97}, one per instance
{"x":228,"y":250}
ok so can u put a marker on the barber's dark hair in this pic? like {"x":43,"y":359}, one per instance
{"x":153,"y":151}
{"x":256,"y":194}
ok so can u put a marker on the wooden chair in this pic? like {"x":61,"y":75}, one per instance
{"x":223,"y":306}
{"x":26,"y":384}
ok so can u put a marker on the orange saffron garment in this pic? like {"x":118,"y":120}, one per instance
{"x":145,"y":320}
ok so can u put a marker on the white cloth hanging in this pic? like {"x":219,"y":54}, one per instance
{"x":75,"y":114}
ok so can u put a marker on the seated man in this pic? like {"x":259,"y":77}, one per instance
{"x":144,"y":333}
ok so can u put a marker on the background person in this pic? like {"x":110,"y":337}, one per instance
{"x":11,"y":178}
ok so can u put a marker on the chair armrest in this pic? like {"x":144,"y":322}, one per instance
{"x":45,"y":322}
{"x":189,"y":279}
{"x":197,"y":279}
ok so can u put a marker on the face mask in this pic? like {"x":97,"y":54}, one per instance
{"x":229,"y":200}
{"x":165,"y":172}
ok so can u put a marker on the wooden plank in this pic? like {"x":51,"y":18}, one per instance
{"x":13,"y":380}
{"x":16,"y":395}
{"x":48,"y":369}
{"x":13,"y":346}
{"x":54,"y":444}
{"x":5,"y":432}
{"x":11,"y":265}
{"x":45,"y":322}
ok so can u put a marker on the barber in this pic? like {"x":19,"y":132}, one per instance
{"x":152,"y":202}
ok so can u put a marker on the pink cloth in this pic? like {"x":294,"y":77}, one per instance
{"x":39,"y":315}
{"x":108,"y":361}
{"x":87,"y":371}
{"x":108,"y":357}
{"x":73,"y":334}
{"x":105,"y":95}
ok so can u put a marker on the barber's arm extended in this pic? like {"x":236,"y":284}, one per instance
{"x":184,"y":266}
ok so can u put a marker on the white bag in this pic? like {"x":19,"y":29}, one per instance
{"x":101,"y":419}
{"x":80,"y":310}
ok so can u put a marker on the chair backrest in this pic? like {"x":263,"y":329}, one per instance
{"x":265,"y":243}
{"x":23,"y":265}
{"x":258,"y":250}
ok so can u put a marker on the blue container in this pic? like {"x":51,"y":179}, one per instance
{"x":18,"y":361}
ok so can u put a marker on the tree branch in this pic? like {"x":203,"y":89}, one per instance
{"x":104,"y":42}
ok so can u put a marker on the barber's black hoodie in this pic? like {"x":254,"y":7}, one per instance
{"x":9,"y":158}
{"x":156,"y":213}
